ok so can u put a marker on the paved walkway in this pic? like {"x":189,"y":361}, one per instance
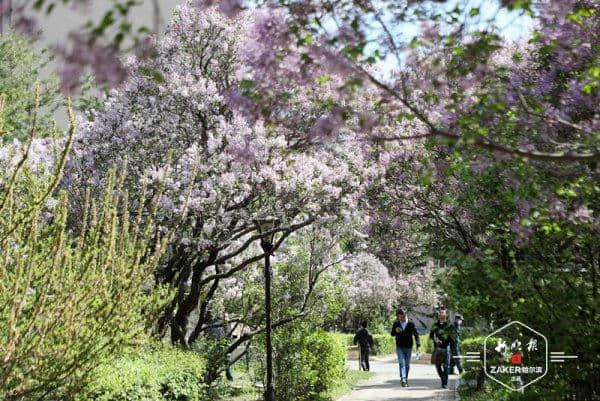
{"x":424,"y":383}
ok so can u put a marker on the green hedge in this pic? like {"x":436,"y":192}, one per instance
{"x":384,"y":344}
{"x":343,"y":338}
{"x":161,"y":374}
{"x":426,"y":343}
{"x":474,"y":375}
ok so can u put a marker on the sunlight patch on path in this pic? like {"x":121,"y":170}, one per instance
{"x":385,"y":385}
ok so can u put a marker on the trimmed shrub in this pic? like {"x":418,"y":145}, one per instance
{"x":426,"y":343}
{"x":307,"y":364}
{"x":344,"y":338}
{"x":474,"y":375}
{"x":162,"y":374}
{"x":383,"y":344}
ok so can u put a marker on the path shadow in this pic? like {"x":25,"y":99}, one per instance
{"x":414,"y":384}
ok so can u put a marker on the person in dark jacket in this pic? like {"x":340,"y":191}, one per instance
{"x":443,"y":335}
{"x":365,"y":341}
{"x":455,"y":348}
{"x":404,"y":331}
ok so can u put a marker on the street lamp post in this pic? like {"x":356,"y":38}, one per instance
{"x":266,"y":244}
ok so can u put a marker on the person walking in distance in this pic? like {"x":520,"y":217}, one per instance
{"x":217,"y":332}
{"x":404,"y":330}
{"x":365,"y":342}
{"x":443,"y":335}
{"x":455,"y":347}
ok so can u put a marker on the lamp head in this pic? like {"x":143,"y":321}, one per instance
{"x":266,"y":228}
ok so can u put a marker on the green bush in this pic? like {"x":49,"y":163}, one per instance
{"x":22,"y":87}
{"x":383,"y":344}
{"x":474,"y":375}
{"x":426,"y":344}
{"x":344,"y":338}
{"x":162,"y":374}
{"x":308,"y":364}
{"x":71,"y":297}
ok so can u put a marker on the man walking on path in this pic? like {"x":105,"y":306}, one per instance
{"x":443,"y":335}
{"x":455,"y":348}
{"x":365,"y":342}
{"x":404,"y":331}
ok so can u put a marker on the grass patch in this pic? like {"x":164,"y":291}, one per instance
{"x":353,"y":377}
{"x":153,"y":374}
{"x":243,"y":390}
{"x":487,"y":394}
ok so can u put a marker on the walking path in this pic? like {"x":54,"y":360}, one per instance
{"x":424,"y":383}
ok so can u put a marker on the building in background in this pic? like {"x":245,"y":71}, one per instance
{"x":55,"y":27}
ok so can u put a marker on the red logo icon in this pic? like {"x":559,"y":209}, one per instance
{"x":516,"y":359}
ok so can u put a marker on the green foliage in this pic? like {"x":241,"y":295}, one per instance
{"x":89,"y":101}
{"x":536,"y":265}
{"x":474,"y":375}
{"x":300,"y":287}
{"x":308,"y":363}
{"x":383,"y":344}
{"x":488,"y":394}
{"x":68,"y":300}
{"x":20,"y":80}
{"x":353,"y":377}
{"x":161,"y":374}
{"x":495,"y":392}
{"x":343,"y":338}
{"x":214,"y":353}
{"x":426,"y":344}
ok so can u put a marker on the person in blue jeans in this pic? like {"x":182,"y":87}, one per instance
{"x":404,"y":331}
{"x":443,"y":335}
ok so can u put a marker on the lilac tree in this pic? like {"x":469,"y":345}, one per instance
{"x":515,"y":227}
{"x":176,"y":120}
{"x":371,"y":290}
{"x":443,"y":79}
{"x":306,"y":284}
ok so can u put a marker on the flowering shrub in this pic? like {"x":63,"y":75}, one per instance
{"x":68,"y":299}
